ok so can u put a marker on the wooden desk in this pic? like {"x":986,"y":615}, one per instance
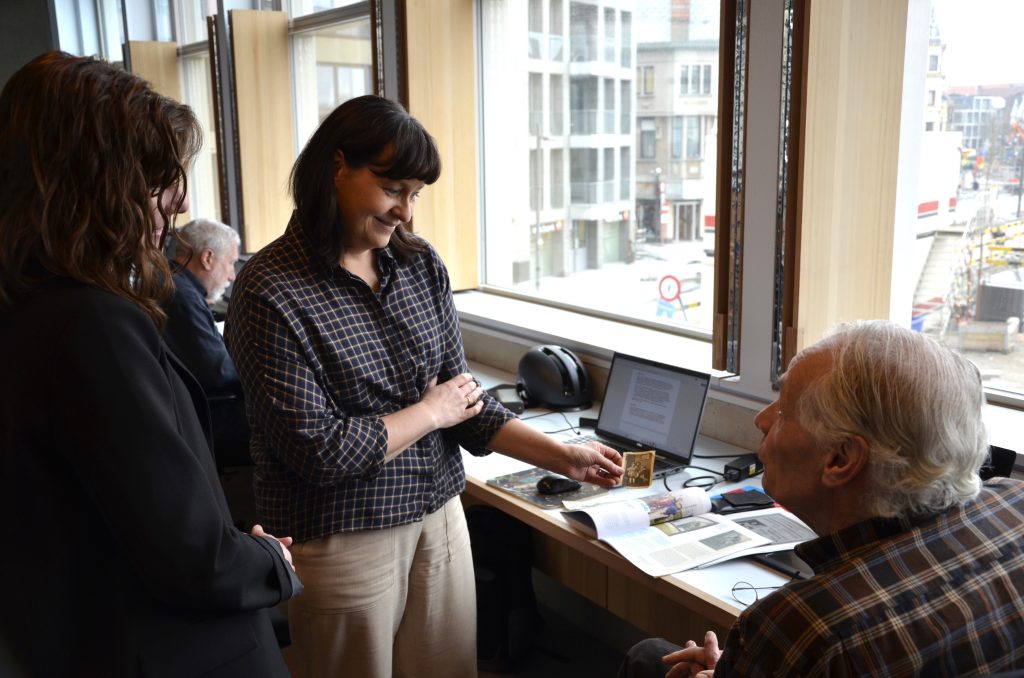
{"x":678,"y":607}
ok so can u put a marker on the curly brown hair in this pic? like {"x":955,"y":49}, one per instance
{"x":85,"y":149}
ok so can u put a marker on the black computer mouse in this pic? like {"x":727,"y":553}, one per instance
{"x":557,"y":485}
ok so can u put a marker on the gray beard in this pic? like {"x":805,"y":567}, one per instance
{"x":215,"y":296}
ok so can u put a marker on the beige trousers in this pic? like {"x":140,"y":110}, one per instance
{"x":382,"y":603}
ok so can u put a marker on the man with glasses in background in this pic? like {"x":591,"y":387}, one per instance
{"x":875,"y":442}
{"x":204,"y":267}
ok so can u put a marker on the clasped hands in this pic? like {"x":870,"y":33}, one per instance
{"x":285,"y":542}
{"x":694,"y":660}
{"x":454,"y":401}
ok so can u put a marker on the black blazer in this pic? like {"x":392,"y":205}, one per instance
{"x":119,"y":557}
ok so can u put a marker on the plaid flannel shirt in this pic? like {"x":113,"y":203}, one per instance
{"x":322,"y":357}
{"x":937,"y":595}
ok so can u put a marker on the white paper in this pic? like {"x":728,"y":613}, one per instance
{"x":665,"y":533}
{"x":782,"y":529}
{"x":701,"y":540}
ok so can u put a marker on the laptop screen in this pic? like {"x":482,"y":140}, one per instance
{"x":649,"y":405}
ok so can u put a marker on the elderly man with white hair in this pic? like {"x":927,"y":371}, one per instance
{"x":204,"y":267}
{"x":875,"y":442}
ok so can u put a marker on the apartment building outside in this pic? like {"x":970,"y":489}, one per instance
{"x":677,"y":114}
{"x":562,"y":146}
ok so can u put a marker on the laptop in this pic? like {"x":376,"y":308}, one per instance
{"x":651,"y":406}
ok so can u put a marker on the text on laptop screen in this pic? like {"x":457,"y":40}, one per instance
{"x":653,"y":406}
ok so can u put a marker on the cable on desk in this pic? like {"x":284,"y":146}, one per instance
{"x":706,"y":483}
{"x":698,"y":481}
{"x":561,"y":430}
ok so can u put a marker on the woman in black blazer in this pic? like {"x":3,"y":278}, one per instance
{"x":120,"y":557}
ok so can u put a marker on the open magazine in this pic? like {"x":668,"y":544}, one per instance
{"x":675,"y":531}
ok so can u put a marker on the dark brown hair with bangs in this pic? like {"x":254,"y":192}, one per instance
{"x":84,"y":146}
{"x":371,"y":132}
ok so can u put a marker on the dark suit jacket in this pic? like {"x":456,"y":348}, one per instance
{"x":192,"y":335}
{"x":119,"y":554}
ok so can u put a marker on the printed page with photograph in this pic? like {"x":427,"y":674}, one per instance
{"x":666,"y":533}
{"x":782,"y":529}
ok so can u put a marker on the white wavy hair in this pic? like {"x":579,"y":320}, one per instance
{"x":916,"y":403}
{"x":207,"y":234}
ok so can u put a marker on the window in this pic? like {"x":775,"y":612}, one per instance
{"x":297,"y":8}
{"x":191,"y":15}
{"x":555,"y":30}
{"x":626,"y":48}
{"x":583,"y":35}
{"x":609,"y":34}
{"x":688,"y":220}
{"x":647,"y":138}
{"x":536,"y":118}
{"x":197,"y":91}
{"x":91,"y":28}
{"x":583,"y":175}
{"x":331,"y":58}
{"x":557,"y":191}
{"x":583,"y":104}
{"x":695,"y":79}
{"x":536,"y":34}
{"x":646,"y":77}
{"x":535,"y":178}
{"x":331,"y":64}
{"x":609,"y":106}
{"x":204,"y":178}
{"x":686,"y":129}
{"x":625,"y":106}
{"x":625,"y":179}
{"x":693,"y":137}
{"x":965,"y":284}
{"x":658,"y":195}
{"x":608,"y":189}
{"x":617,"y":241}
{"x":338,"y":82}
{"x":556,"y":107}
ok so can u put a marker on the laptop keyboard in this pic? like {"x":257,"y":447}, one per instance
{"x":579,"y":440}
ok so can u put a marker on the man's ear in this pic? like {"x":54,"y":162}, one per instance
{"x":206,"y":259}
{"x":845,"y":462}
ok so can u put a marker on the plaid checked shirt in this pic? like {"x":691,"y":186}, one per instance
{"x":321,"y":358}
{"x":942,"y":595}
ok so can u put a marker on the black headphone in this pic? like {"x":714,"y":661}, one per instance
{"x":553,"y":377}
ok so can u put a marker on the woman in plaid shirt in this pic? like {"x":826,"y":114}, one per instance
{"x":348,"y":346}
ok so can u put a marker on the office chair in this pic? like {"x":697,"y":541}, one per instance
{"x":230,"y":431}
